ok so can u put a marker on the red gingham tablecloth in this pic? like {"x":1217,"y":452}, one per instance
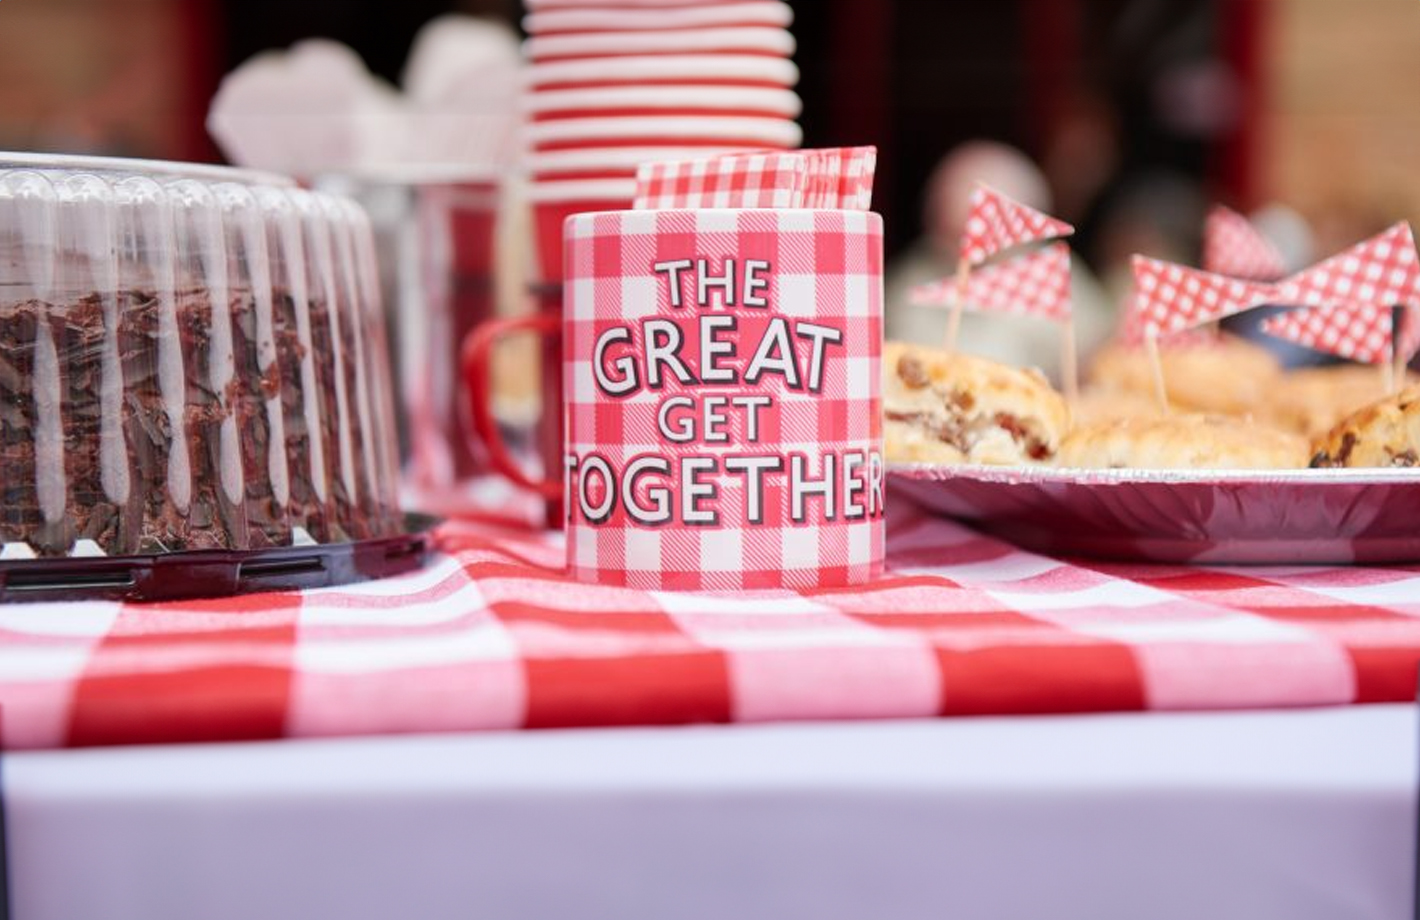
{"x":491,"y":636}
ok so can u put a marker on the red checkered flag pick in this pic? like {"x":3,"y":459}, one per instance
{"x":1232,"y":246}
{"x":1034,"y":284}
{"x":1410,"y":333}
{"x":1352,"y":296}
{"x":1383,"y":271}
{"x":1357,"y":331}
{"x":1170,"y":298}
{"x":1135,"y":323}
{"x":996,"y":223}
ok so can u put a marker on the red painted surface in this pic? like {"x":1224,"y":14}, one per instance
{"x":1242,"y":43}
{"x":201,"y":44}
{"x":1051,"y":39}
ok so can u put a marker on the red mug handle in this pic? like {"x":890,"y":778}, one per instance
{"x":475,"y":359}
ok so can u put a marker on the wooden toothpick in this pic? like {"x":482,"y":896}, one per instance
{"x":958,"y":305}
{"x":1156,"y":365}
{"x":1069,"y":363}
{"x":1395,"y":367}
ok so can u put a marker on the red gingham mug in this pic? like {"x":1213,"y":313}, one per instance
{"x":721,"y":390}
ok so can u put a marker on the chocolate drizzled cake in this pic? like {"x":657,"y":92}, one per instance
{"x":229,"y":469}
{"x":199,"y":407}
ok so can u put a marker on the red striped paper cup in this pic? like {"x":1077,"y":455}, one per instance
{"x":553,"y":202}
{"x":664,"y":70}
{"x":576,"y":19}
{"x":583,"y":175}
{"x":642,"y":101}
{"x":573,"y":133}
{"x":611,"y":162}
{"x":757,"y":40}
{"x":538,"y":5}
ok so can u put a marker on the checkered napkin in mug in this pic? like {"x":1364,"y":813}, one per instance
{"x":759,"y":180}
{"x":826,"y":271}
{"x":839,"y":178}
{"x":1036,"y":283}
{"x":1232,"y":246}
{"x":996,"y":223}
{"x":492,"y":635}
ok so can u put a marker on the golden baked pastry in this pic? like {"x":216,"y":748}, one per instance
{"x":1312,"y":401}
{"x":1097,"y":405}
{"x":1385,"y":433}
{"x":956,"y":408}
{"x":1228,"y":377}
{"x":1182,"y":442}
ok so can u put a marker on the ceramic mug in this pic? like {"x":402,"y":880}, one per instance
{"x":722,"y":406}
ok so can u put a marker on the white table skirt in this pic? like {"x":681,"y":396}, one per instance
{"x":1294,"y":815}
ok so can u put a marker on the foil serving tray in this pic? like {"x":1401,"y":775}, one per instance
{"x":1333,"y":516}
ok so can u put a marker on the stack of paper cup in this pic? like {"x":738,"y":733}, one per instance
{"x":613,"y":84}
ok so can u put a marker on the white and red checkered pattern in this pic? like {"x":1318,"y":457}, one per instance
{"x":492,"y":636}
{"x":837,"y":178}
{"x":1032,"y":284}
{"x":1169,"y":298}
{"x":1383,"y":271}
{"x":996,"y":223}
{"x":1358,"y":331}
{"x":1232,"y":246}
{"x":841,"y":177}
{"x":1351,"y":296}
{"x":760,"y":180}
{"x":817,"y":290}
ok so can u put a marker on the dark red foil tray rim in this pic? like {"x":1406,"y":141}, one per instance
{"x":1216,"y":517}
{"x":1048,"y":475}
{"x":197,"y":574}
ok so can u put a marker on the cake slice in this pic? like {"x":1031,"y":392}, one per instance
{"x":953,"y":408}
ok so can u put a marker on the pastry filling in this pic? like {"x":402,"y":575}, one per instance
{"x":1323,"y":460}
{"x":954,"y":420}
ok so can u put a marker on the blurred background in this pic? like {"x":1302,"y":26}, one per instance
{"x":1124,"y":104}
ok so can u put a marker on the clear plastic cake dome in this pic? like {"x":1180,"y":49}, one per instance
{"x":190,"y":358}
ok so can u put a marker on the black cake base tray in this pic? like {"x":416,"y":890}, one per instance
{"x":216,"y":573}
